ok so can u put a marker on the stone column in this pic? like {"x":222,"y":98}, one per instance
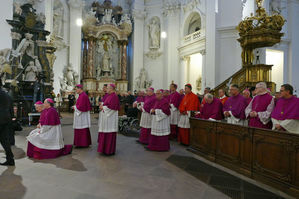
{"x":172,"y":19}
{"x":203,"y":76}
{"x":138,"y":42}
{"x":124,"y":61}
{"x":90,"y":58}
{"x":76,"y":7}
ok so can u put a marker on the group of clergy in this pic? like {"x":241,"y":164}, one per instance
{"x":46,"y":141}
{"x":167,"y":115}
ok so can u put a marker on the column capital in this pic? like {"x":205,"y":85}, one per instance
{"x":75,"y":4}
{"x":139,"y":14}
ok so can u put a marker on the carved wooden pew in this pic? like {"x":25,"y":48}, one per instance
{"x":268,"y":156}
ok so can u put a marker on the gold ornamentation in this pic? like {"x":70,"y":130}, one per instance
{"x":30,"y":20}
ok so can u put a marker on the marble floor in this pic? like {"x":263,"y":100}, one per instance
{"x":131,"y":173}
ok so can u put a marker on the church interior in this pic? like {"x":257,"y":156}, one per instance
{"x":55,"y":50}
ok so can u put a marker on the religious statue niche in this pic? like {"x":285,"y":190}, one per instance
{"x":154,"y":33}
{"x":105,"y":42}
{"x":154,"y":39}
{"x":28,"y":70}
{"x":58,"y":14}
{"x":107,"y":58}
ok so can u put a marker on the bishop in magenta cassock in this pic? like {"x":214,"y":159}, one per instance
{"x":146,"y":117}
{"x":189,"y":103}
{"x":139,"y":100}
{"x":160,"y":130}
{"x":46,"y":141}
{"x":260,"y":108}
{"x":82,"y":119}
{"x":108,"y":122}
{"x":212,"y":109}
{"x":234,"y":107}
{"x":285,"y":116}
{"x":103,"y":98}
{"x":175,"y":100}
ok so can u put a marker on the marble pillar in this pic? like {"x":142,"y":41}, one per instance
{"x":90,"y":58}
{"x":203,"y":79}
{"x":75,"y":40}
{"x":124,"y":61}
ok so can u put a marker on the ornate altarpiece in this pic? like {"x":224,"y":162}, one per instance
{"x":105,"y":41}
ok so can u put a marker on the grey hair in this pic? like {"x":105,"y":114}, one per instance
{"x":261,"y":85}
{"x":209,"y":96}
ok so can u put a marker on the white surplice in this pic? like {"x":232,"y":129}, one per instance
{"x":47,"y":137}
{"x":184,"y":121}
{"x":291,"y":126}
{"x":160,"y":124}
{"x":81,"y":119}
{"x":108,"y":120}
{"x":174,"y":115}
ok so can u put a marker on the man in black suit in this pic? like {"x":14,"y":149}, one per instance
{"x":5,"y":125}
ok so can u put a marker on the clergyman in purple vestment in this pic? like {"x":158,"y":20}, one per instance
{"x":160,"y":130}
{"x":82,"y":122}
{"x":260,"y":108}
{"x":108,"y":122}
{"x":146,"y":117}
{"x":234,"y":107}
{"x":212,"y":109}
{"x":285,"y":115}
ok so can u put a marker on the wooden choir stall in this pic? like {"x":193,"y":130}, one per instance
{"x":271,"y":157}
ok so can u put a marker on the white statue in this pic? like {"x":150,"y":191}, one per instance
{"x":31,"y":72}
{"x":4,"y":64}
{"x":107,"y":17}
{"x":106,"y":62}
{"x":126,"y":19}
{"x":58,"y":22}
{"x":142,"y":81}
{"x":18,"y":9}
{"x":63,"y":84}
{"x":70,"y":78}
{"x":25,"y":46}
{"x":154,"y":34}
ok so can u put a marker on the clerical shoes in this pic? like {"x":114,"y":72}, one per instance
{"x":8,"y":163}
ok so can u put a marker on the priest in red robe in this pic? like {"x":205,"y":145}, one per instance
{"x":108,"y":122}
{"x":146,"y":117}
{"x":46,"y":141}
{"x":175,"y":100}
{"x":285,"y":116}
{"x":234,"y":107}
{"x":260,"y":108}
{"x":82,"y":119}
{"x":212,"y":109}
{"x":160,"y":130}
{"x":189,"y":103}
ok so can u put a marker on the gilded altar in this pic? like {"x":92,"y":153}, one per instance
{"x":105,"y":41}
